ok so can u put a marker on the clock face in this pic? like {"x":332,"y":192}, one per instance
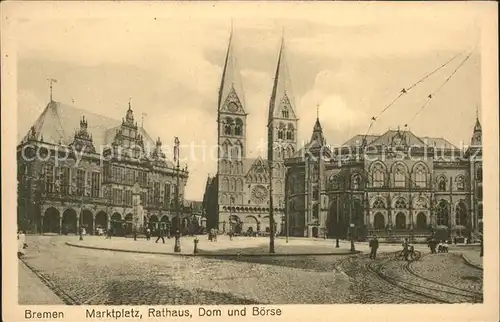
{"x":232,"y":107}
{"x":259,"y":194}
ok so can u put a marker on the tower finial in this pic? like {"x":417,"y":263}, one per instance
{"x":477,"y":111}
{"x":51,"y":81}
{"x":317,"y":111}
{"x":129,"y":105}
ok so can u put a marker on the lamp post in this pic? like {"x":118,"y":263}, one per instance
{"x":351,"y":226}
{"x":176,"y":158}
{"x":231,"y":202}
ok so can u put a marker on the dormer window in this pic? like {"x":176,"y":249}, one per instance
{"x":284,"y":113}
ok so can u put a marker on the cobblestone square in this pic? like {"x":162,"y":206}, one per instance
{"x":91,"y":276}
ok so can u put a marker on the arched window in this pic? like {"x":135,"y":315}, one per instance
{"x":356,"y":179}
{"x":284,"y":112}
{"x":421,"y":221}
{"x":228,"y":126}
{"x":460,"y":180}
{"x":400,"y":204}
{"x":400,"y":176}
{"x":233,"y":185}
{"x":401,"y":221}
{"x":378,"y":175}
{"x":239,"y":185}
{"x":281,"y":131}
{"x":461,"y":214}
{"x":225,"y":184}
{"x":379,"y":221}
{"x":225,"y":149}
{"x":442,"y":183}
{"x":379,"y":204}
{"x":420,"y":176}
{"x":238,"y":128}
{"x":443,"y":213}
{"x":479,"y":174}
{"x":289,"y":132}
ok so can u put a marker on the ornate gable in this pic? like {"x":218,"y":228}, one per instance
{"x":259,"y":171}
{"x":83,"y":139}
{"x":232,"y":103}
{"x":285,"y":109}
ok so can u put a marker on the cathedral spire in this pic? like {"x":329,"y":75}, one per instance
{"x":231,"y":79}
{"x":478,"y":131}
{"x":282,"y":93}
{"x":317,"y":138}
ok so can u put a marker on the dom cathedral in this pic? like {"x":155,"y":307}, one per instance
{"x":393,"y":185}
{"x":237,"y":197}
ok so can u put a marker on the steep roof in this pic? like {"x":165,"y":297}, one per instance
{"x":317,"y":138}
{"x":58,"y":122}
{"x":231,"y":77}
{"x":477,"y":126}
{"x":387,"y":139}
{"x":282,"y":94}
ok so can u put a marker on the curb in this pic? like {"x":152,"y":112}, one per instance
{"x":209,"y":254}
{"x":470,"y":263}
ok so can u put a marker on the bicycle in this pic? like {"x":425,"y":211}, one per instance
{"x":411,"y":254}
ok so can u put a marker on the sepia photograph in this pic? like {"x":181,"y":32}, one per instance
{"x":332,"y":155}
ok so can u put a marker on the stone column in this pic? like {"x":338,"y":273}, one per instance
{"x":60,"y":223}
{"x":93,"y":225}
{"x":108,"y":222}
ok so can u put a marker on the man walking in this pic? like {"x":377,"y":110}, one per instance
{"x":406,"y":249}
{"x":161,"y":235}
{"x":374,"y":247}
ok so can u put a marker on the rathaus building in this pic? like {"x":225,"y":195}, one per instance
{"x":392,"y":185}
{"x":77,"y":168}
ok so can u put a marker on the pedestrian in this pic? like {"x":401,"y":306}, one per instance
{"x":405,"y":248}
{"x":148,"y":234}
{"x":168,"y":233}
{"x":374,"y":247}
{"x":231,"y":235}
{"x":161,"y":235}
{"x":216,"y":231}
{"x":21,"y":243}
{"x":110,"y":232}
{"x":177,"y":246}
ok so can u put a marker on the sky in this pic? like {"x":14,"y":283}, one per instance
{"x":347,"y":61}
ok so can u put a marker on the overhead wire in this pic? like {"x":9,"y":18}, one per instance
{"x":431,"y":96}
{"x":405,"y":91}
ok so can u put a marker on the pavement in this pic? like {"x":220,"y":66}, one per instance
{"x":238,"y":246}
{"x":84,"y":276}
{"x":32,"y":291}
{"x":473,"y":258}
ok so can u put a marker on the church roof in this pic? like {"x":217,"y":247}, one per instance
{"x":58,"y":122}
{"x":282,"y":93}
{"x":387,"y":139}
{"x":231,"y":77}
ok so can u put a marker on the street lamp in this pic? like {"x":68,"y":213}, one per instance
{"x":231,"y":202}
{"x":351,"y":226}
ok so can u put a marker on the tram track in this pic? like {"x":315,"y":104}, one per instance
{"x":373,"y":288}
{"x":435,"y":291}
{"x":451,"y":289}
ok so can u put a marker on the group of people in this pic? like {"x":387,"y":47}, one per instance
{"x":212,"y":235}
